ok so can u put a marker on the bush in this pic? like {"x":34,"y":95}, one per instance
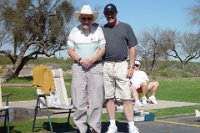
{"x":193,"y":68}
{"x":4,"y":60}
{"x":162,"y":68}
{"x":53,"y":62}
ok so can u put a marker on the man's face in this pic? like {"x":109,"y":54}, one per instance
{"x":86,"y":21}
{"x":111,"y":17}
{"x":136,"y":66}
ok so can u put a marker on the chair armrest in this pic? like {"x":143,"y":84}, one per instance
{"x":7,"y":95}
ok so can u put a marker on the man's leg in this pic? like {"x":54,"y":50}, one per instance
{"x":134,"y":94}
{"x":123,"y":92}
{"x":109,"y":87}
{"x":128,"y":110}
{"x":95,"y":89}
{"x":110,"y":107}
{"x":79,"y":97}
{"x":153,"y":86}
{"x":144,"y":86}
{"x":136,"y":97}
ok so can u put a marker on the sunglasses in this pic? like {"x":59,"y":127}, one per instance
{"x":109,"y":13}
{"x":86,"y":18}
{"x":136,"y":65}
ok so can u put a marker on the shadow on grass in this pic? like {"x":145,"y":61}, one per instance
{"x":59,"y":127}
{"x":122,"y":127}
{"x":4,"y":129}
{"x":62,"y":127}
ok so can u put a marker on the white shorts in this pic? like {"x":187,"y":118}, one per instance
{"x":135,"y":85}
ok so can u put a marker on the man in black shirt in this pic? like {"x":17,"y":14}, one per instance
{"x":120,"y":44}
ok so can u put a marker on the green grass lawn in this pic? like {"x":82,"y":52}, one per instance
{"x":183,"y":90}
{"x":20,"y":94}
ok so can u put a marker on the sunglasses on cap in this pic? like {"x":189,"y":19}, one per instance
{"x":136,"y":65}
{"x":86,"y":18}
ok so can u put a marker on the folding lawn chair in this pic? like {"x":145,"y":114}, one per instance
{"x":4,"y":109}
{"x":54,"y":100}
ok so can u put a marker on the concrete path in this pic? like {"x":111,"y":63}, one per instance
{"x":23,"y":110}
{"x":161,"y":104}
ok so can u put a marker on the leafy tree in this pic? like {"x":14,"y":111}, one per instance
{"x":33,"y":28}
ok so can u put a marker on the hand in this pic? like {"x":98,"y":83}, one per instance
{"x":86,"y":63}
{"x":130,"y":72}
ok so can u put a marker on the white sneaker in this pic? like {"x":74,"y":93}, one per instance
{"x":112,"y":129}
{"x":144,"y":100}
{"x":133,"y":129}
{"x":153,"y":99}
{"x":138,"y":103}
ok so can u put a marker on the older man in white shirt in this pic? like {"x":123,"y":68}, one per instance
{"x":86,"y":45}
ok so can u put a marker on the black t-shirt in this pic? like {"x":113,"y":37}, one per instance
{"x":119,"y":39}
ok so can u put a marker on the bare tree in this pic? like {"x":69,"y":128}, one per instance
{"x":194,"y":11}
{"x":33,"y":27}
{"x":151,"y":47}
{"x":183,"y":47}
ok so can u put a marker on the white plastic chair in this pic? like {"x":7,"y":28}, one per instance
{"x":55,"y":100}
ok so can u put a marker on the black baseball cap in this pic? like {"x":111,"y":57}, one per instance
{"x":110,"y":8}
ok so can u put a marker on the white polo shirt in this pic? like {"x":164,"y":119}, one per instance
{"x":138,"y":77}
{"x":86,"y":44}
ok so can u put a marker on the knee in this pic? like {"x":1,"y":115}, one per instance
{"x":143,"y":85}
{"x":108,"y":101}
{"x":156,"y":83}
{"x":126,"y":102}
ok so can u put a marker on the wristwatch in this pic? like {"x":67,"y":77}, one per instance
{"x":131,"y":66}
{"x":79,"y":60}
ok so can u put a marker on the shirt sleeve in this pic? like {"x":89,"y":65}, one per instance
{"x":71,"y":39}
{"x":102,"y":40}
{"x":131,"y":38}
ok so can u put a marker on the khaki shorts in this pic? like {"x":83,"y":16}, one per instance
{"x":116,"y":83}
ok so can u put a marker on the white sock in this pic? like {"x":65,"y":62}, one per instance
{"x":112,"y":122}
{"x":137,"y":101}
{"x":144,"y":97}
{"x":131,"y":123}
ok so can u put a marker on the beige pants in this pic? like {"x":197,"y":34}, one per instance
{"x":87,"y":96}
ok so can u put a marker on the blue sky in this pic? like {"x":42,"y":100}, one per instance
{"x":143,"y":14}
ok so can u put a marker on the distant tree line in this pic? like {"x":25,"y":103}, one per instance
{"x":161,"y":45}
{"x":158,"y":44}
